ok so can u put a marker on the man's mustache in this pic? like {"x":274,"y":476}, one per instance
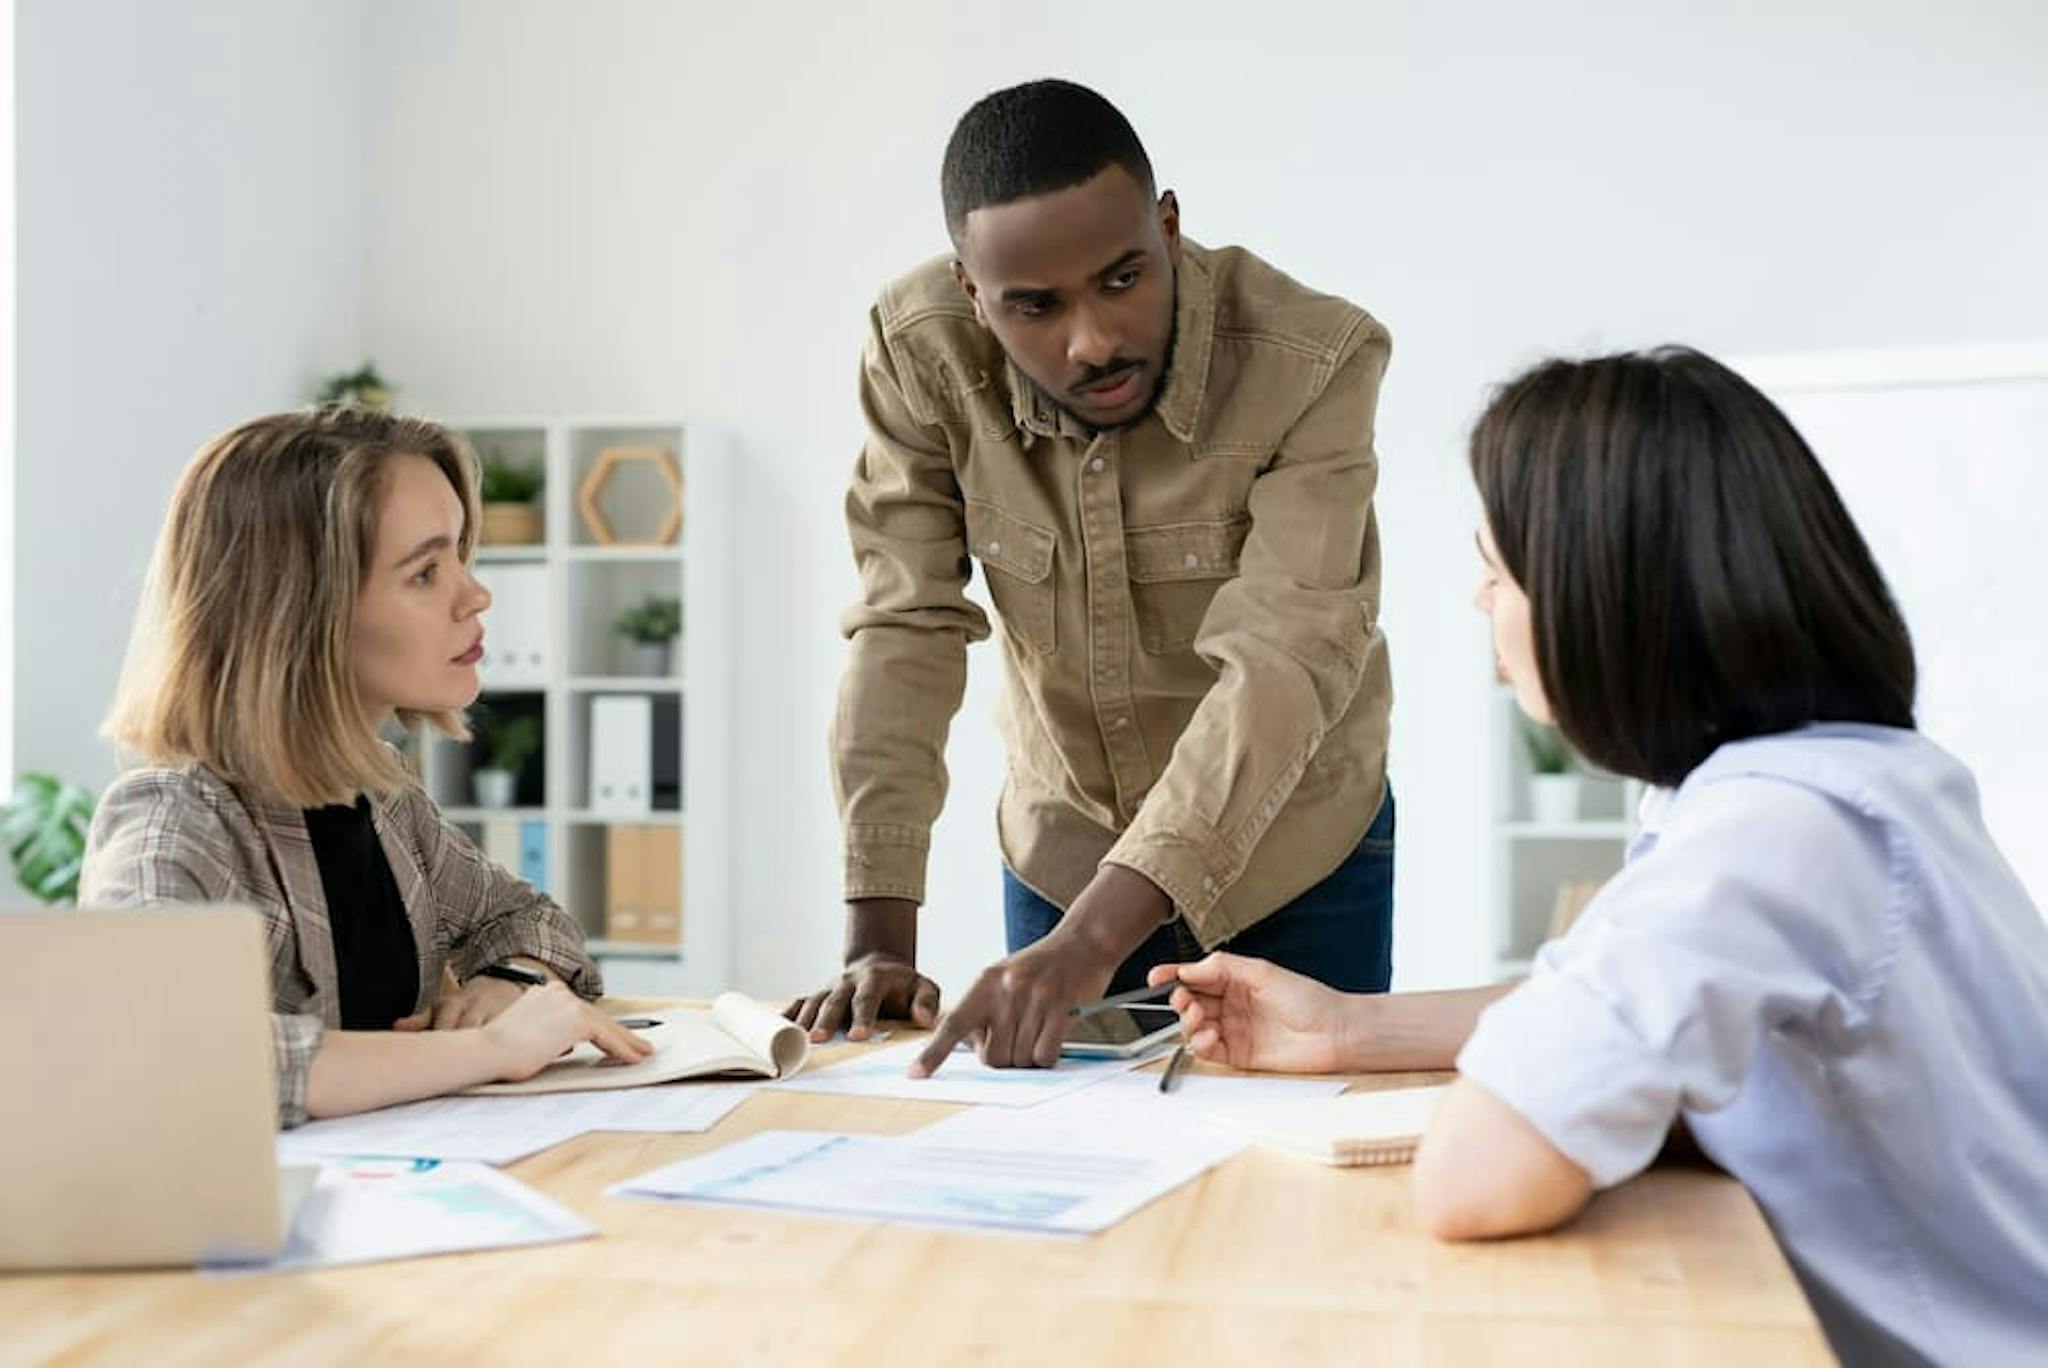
{"x":1095,"y":375}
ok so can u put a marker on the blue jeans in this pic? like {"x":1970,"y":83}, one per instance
{"x":1340,"y":932}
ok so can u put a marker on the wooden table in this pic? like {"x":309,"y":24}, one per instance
{"x":1264,"y":1260}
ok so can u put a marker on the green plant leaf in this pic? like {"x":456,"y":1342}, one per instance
{"x":45,"y":824}
{"x":653,"y":620}
{"x":507,"y":481}
{"x":509,"y":743}
{"x":1548,"y":751}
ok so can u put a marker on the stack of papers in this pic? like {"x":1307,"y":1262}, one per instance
{"x":371,"y":1210}
{"x":884,"y":1073}
{"x":1131,"y":1108}
{"x":1073,"y":1165}
{"x":498,"y":1130}
{"x":1016,"y":1185}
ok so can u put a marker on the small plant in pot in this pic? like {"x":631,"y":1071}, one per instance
{"x":362,"y":387}
{"x":652,"y":625}
{"x":1553,"y":781}
{"x":510,"y":493}
{"x":508,"y":745}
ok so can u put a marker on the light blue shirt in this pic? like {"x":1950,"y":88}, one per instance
{"x":1817,"y":954}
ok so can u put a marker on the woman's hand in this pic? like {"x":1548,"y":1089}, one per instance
{"x":1251,"y":1014}
{"x":543,"y":1024}
{"x":473,"y":1004}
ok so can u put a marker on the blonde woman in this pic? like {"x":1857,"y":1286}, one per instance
{"x":311,"y":586}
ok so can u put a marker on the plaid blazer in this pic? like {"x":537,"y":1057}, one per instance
{"x":184,"y":835}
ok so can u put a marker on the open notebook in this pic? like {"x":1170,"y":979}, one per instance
{"x":737,"y":1036}
{"x":1356,"y":1128}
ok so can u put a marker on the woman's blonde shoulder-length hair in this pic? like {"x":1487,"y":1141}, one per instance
{"x":240,"y":656}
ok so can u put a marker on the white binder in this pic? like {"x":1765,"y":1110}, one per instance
{"x":622,"y":754}
{"x":515,"y":626}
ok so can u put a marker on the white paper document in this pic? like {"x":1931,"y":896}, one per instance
{"x":498,"y":1130}
{"x":366,"y":1211}
{"x":964,"y":1078}
{"x":1013,"y":1177}
{"x":1131,"y":1108}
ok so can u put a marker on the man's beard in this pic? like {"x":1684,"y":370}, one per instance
{"x":1151,"y":400}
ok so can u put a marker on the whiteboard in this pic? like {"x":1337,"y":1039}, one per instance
{"x":1941,"y":455}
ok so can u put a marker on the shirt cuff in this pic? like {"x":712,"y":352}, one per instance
{"x":500,"y":940}
{"x":1187,"y":874}
{"x":886,"y":861}
{"x":1563,"y":1059}
{"x":294,"y":1040}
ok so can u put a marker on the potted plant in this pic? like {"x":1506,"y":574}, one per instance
{"x":508,"y":745}
{"x":652,"y":625}
{"x":362,"y":387}
{"x":1553,"y":783}
{"x":510,"y":491}
{"x":45,"y":825}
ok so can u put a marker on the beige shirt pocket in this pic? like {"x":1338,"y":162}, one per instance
{"x":1016,"y":563}
{"x":1175,"y":571}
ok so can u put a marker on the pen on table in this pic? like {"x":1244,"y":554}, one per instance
{"x":1114,"y":1000}
{"x":638,"y":1023}
{"x":1172,"y":1074}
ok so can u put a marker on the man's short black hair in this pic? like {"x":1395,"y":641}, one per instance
{"x":1033,"y":139}
{"x":1693,"y":577}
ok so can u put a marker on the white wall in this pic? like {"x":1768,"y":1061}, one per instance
{"x":649,"y":206}
{"x":189,"y":203}
{"x":7,"y":432}
{"x":669,"y":207}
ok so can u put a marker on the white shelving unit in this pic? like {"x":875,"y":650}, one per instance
{"x":587,"y":583}
{"x":1532,"y":859}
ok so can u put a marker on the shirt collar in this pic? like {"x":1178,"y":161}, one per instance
{"x":1652,"y":808}
{"x":1187,"y":369}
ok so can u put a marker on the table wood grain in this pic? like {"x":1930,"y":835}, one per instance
{"x":1266,"y":1259}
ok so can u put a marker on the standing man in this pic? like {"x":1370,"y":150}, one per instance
{"x":1161,"y":457}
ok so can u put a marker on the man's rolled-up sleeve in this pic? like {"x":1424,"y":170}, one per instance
{"x":906,"y":667}
{"x":1290,"y":638}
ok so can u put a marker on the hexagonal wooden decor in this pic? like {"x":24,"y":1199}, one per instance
{"x":610,"y":461}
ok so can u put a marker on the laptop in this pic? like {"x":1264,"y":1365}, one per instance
{"x":140,"y":1106}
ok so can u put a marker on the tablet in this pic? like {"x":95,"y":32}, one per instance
{"x":1120,"y":1032}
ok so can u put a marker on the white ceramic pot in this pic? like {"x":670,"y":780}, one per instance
{"x":494,"y":788}
{"x":1554,"y":798}
{"x":651,"y":657}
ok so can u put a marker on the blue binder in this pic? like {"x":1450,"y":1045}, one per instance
{"x":533,"y":853}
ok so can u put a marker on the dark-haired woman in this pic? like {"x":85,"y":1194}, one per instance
{"x":1815,"y":957}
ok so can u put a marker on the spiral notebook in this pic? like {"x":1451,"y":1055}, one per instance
{"x":1357,"y":1128}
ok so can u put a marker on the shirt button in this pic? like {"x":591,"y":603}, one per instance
{"x":1096,"y":465}
{"x":1191,"y":560}
{"x":1266,"y":811}
{"x":1208,"y":884}
{"x":1116,"y":723}
{"x":995,"y":548}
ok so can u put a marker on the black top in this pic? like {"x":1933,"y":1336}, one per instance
{"x":374,"y":954}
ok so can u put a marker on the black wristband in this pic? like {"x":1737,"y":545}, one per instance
{"x":512,"y":973}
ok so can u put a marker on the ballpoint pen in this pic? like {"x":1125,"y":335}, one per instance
{"x":1157,"y":990}
{"x":1167,"y":1079}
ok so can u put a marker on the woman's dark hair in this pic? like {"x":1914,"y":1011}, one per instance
{"x":1693,"y":577}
